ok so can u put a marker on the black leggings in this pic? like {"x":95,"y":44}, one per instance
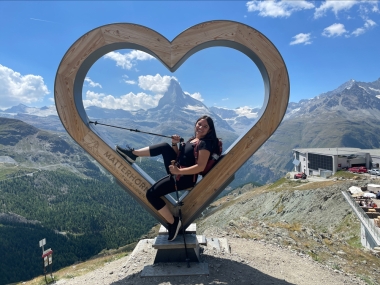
{"x":166,"y":184}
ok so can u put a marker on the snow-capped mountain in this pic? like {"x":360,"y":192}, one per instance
{"x":23,"y":109}
{"x":176,"y":113}
{"x":351,"y":99}
{"x":348,"y":116}
{"x":239,"y":119}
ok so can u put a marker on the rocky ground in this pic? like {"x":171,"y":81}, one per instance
{"x":291,"y":232}
{"x":249,"y":262}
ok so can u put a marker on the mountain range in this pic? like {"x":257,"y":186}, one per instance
{"x":347,"y":116}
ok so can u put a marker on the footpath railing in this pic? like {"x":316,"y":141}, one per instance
{"x":363,"y":217}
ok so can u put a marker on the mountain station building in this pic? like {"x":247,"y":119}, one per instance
{"x":325,"y":162}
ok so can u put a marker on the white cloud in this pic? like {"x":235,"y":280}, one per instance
{"x":195,"y":95}
{"x":157,"y":84}
{"x":130,"y":101}
{"x":375,"y":8}
{"x":358,"y":32}
{"x":225,"y":99}
{"x":34,"y":19}
{"x":335,"y":6}
{"x":128,"y":81}
{"x":16,"y":88}
{"x":274,"y":8}
{"x":92,"y":83}
{"x":335,"y":30}
{"x":367,"y":25}
{"x":128,"y":60}
{"x":246,"y":111}
{"x":301,"y":39}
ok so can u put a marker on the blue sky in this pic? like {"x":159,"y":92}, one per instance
{"x":323,"y":43}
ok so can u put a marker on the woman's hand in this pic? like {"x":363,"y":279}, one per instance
{"x":174,"y":170}
{"x":175,"y":138}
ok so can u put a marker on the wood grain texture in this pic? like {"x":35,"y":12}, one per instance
{"x":172,"y":54}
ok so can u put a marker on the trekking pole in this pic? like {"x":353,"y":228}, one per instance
{"x":179,"y":204}
{"x":132,"y":130}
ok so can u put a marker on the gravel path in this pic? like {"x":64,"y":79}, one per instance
{"x":249,"y":262}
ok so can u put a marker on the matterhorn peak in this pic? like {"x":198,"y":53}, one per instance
{"x":175,"y":97}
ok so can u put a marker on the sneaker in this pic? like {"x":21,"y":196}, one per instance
{"x":126,"y":153}
{"x":174,"y":228}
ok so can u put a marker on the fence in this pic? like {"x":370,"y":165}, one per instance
{"x":363,"y":217}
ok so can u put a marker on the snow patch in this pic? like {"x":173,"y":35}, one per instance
{"x":196,"y":108}
{"x":373,"y":89}
{"x":43,"y":112}
{"x":294,"y":111}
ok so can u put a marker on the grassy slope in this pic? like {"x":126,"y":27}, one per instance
{"x":343,"y":237}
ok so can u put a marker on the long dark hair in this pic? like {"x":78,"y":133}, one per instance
{"x":211,"y":135}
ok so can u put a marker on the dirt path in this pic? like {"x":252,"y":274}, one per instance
{"x":249,"y":262}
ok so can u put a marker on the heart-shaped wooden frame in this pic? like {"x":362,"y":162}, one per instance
{"x":100,"y":41}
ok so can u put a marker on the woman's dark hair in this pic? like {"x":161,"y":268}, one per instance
{"x":211,"y":135}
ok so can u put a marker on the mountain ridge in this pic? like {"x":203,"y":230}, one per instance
{"x":347,"y":116}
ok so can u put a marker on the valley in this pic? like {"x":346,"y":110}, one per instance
{"x":49,"y":187}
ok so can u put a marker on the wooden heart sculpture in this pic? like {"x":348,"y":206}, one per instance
{"x":100,"y":41}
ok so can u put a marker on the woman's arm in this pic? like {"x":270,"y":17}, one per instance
{"x":203,"y":157}
{"x":175,"y":141}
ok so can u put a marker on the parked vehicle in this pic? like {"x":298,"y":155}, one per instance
{"x":300,"y":175}
{"x":358,"y":169}
{"x":374,"y":171}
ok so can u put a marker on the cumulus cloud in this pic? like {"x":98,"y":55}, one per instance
{"x":195,"y":95}
{"x":157,"y":84}
{"x":92,"y":83}
{"x":358,"y":32}
{"x":301,"y":39}
{"x":367,"y":25}
{"x":375,"y":8}
{"x":274,"y":8}
{"x":130,"y":101}
{"x":335,"y":6}
{"x":128,"y":60}
{"x":16,"y":88}
{"x":246,"y":111}
{"x":335,"y":30}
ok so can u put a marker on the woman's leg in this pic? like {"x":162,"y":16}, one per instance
{"x":167,"y":152}
{"x":161,"y":188}
{"x":142,"y":151}
{"x":165,"y":186}
{"x":163,"y":149}
{"x":168,"y":216}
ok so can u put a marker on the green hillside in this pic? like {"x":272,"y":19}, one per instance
{"x":90,"y":215}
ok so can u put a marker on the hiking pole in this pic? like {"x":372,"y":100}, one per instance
{"x":132,"y":130}
{"x":179,"y":204}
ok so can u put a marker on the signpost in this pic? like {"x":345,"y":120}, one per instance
{"x":47,"y":259}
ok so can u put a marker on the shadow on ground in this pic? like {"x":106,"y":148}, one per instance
{"x":221,"y":271}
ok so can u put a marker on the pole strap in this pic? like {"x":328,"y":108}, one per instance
{"x":132,"y":130}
